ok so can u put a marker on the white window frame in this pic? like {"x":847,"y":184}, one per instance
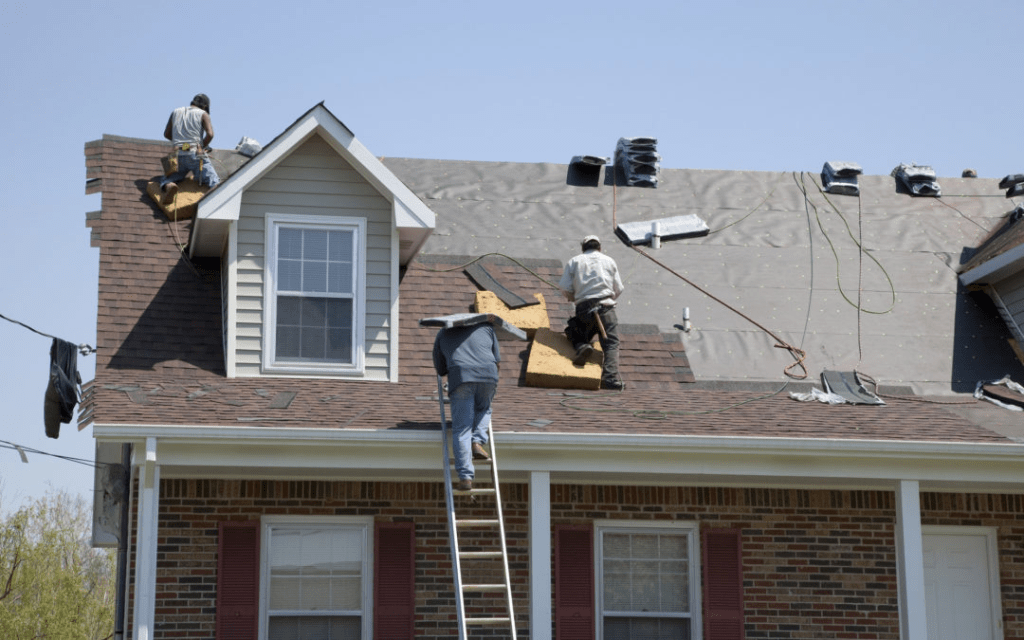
{"x":268,"y":523}
{"x":689,"y":529}
{"x":274,"y":221}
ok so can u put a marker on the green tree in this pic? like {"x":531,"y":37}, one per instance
{"x":53,"y":584}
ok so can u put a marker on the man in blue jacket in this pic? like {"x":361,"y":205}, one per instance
{"x":470,"y":357}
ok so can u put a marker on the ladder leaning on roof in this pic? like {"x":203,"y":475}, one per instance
{"x":482,"y":559}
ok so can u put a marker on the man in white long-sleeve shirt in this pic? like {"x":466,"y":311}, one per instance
{"x":592,"y":281}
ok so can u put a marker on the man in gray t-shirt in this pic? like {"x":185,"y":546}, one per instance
{"x":470,"y":357}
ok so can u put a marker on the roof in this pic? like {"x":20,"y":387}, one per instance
{"x":160,"y":355}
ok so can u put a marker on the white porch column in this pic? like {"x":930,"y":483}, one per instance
{"x":910,"y":561}
{"x":540,"y":555}
{"x":146,"y":535}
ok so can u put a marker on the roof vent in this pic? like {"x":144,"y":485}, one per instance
{"x":639,"y":160}
{"x":590,"y":161}
{"x":918,"y":179}
{"x":841,"y":178}
{"x":1014,"y":185}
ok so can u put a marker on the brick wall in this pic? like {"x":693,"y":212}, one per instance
{"x":816,"y":564}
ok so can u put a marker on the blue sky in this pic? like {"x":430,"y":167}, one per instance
{"x":744,"y":85}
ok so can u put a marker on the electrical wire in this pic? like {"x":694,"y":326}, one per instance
{"x":22,"y":450}
{"x":83,"y":349}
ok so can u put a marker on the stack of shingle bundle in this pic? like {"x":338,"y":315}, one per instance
{"x":639,"y":160}
{"x":841,"y":178}
{"x":1014,"y":185}
{"x":918,"y":179}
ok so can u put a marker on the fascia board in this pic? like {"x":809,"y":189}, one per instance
{"x":994,"y":270}
{"x":588,"y":455}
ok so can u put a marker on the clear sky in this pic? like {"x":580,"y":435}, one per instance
{"x":745,"y":85}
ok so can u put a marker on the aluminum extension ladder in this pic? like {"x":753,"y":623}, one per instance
{"x":483,"y":562}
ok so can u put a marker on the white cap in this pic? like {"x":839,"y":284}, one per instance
{"x":590,"y":239}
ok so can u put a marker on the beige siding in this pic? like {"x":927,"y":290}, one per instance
{"x":314,"y":181}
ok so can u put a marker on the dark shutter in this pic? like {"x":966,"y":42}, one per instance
{"x":723,"y":585}
{"x":238,"y":580}
{"x":574,"y":583}
{"x":394,"y":595}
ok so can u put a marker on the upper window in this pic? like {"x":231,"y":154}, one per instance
{"x":646,"y":582}
{"x":316,"y":577}
{"x":313,"y":294}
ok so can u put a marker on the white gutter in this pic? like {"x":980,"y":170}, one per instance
{"x":296,"y":453}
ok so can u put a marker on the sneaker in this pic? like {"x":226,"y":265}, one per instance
{"x":170,"y":190}
{"x":479,"y":453}
{"x":464,"y":485}
{"x":582,"y":355}
{"x":614,"y":385}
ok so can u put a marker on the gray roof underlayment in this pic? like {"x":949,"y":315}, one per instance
{"x":779,"y":250}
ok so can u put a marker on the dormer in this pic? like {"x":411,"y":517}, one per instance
{"x":311,"y":234}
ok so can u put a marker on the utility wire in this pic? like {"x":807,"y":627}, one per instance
{"x":22,"y":450}
{"x":83,"y":349}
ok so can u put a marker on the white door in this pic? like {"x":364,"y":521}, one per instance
{"x":961,"y":584}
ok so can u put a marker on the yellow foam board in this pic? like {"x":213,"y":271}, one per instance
{"x":185,"y":202}
{"x":529,"y":319}
{"x":550,"y":364}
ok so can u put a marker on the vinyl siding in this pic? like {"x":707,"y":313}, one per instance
{"x":313,"y":181}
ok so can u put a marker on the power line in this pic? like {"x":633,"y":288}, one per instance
{"x":23,"y":450}
{"x":83,"y":348}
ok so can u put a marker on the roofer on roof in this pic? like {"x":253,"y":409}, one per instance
{"x":470,"y":357}
{"x":591,"y":280}
{"x":190,"y":130}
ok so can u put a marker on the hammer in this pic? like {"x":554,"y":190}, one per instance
{"x":600,"y":325}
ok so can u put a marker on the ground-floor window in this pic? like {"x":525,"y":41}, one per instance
{"x":316,"y":581}
{"x":647,"y":581}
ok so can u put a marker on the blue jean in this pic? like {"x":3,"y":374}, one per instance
{"x":471,"y":422}
{"x":200,"y":166}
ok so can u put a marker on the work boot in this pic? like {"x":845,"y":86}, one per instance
{"x":582,"y":355}
{"x":465,"y":484}
{"x":170,"y":190}
{"x":479,"y":453}
{"x":613,"y":385}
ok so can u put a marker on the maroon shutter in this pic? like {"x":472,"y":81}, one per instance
{"x":394,"y":572}
{"x":723,"y":585}
{"x":574,"y":583}
{"x":238,"y":580}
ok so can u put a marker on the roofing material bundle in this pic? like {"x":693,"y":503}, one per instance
{"x":918,"y":179}
{"x":841,"y":178}
{"x":639,"y":160}
{"x":645,"y":232}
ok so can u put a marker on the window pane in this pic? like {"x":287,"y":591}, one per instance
{"x":314,"y":277}
{"x":289,"y":275}
{"x":289,"y":243}
{"x":313,"y":343}
{"x":340,"y":246}
{"x":646,"y":629}
{"x":340,"y":277}
{"x":314,"y":245}
{"x":315,"y":627}
{"x":287,"y":342}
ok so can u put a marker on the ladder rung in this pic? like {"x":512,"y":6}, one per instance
{"x":479,"y":554}
{"x":476,"y":523}
{"x":483,"y":587}
{"x":487,"y":622}
{"x":474,"y":491}
{"x":476,"y":463}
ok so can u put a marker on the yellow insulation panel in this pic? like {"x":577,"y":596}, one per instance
{"x":550,"y":364}
{"x":529,"y":319}
{"x":185,"y":202}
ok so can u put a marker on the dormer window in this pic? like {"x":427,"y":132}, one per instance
{"x":314,"y":301}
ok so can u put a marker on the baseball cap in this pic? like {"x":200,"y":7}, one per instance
{"x":590,"y":239}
